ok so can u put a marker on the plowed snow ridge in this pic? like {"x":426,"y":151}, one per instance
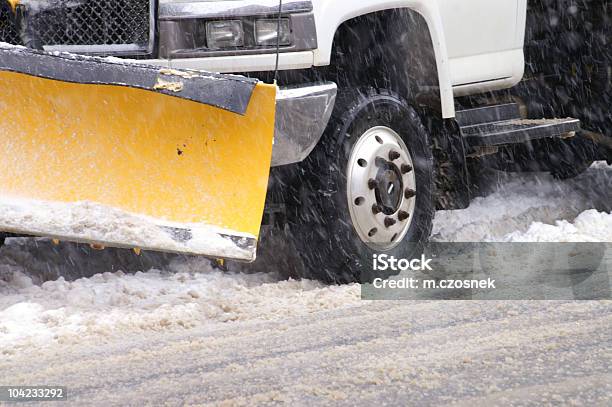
{"x":188,"y":293}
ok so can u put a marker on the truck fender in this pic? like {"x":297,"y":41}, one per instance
{"x":330,"y":14}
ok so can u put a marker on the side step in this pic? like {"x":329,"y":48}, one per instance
{"x":502,"y":124}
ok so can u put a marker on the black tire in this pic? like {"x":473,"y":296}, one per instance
{"x":319,"y":217}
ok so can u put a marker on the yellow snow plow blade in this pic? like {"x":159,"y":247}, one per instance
{"x":134,"y":166}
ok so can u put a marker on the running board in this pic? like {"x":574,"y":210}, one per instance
{"x":502,"y":124}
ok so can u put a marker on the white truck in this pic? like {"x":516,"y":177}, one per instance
{"x":384,"y":105}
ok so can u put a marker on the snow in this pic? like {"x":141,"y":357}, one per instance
{"x":188,"y":294}
{"x":89,"y":221}
{"x":171,"y":86}
{"x":589,"y":226}
{"x":6,"y":45}
{"x":515,"y":203}
{"x":34,"y":6}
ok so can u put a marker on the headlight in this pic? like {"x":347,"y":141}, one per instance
{"x":201,"y":28}
{"x":224,"y":34}
{"x":265,"y":32}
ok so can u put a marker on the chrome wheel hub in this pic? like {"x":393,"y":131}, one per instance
{"x":381,"y":189}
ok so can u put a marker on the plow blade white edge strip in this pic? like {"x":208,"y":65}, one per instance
{"x":91,"y":222}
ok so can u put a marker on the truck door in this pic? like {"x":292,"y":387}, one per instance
{"x":483,"y":38}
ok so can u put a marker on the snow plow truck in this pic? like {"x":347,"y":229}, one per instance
{"x":343,"y":124}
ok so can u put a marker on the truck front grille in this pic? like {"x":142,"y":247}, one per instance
{"x":106,"y":27}
{"x":7,"y":30}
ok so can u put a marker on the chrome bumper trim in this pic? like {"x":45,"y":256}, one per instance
{"x":302,"y":114}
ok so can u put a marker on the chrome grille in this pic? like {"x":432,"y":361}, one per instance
{"x":7,"y":30}
{"x":91,"y":26}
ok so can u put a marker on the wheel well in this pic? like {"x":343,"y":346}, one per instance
{"x":390,"y":49}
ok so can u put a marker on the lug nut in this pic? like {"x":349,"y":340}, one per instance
{"x":406,"y":168}
{"x":376,"y":209}
{"x":372,"y":183}
{"x":390,"y":222}
{"x":394,"y":155}
{"x":409,"y":193}
{"x":403,"y":215}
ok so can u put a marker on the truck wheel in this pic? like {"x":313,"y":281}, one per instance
{"x":366,"y":189}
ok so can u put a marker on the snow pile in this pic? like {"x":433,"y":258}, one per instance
{"x":589,"y":226}
{"x":189,"y":294}
{"x":519,"y":202}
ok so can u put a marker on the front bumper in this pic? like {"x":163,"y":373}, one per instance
{"x":302,"y":114}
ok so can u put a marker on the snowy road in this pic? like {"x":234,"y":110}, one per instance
{"x":184,"y":333}
{"x":394,"y":353}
